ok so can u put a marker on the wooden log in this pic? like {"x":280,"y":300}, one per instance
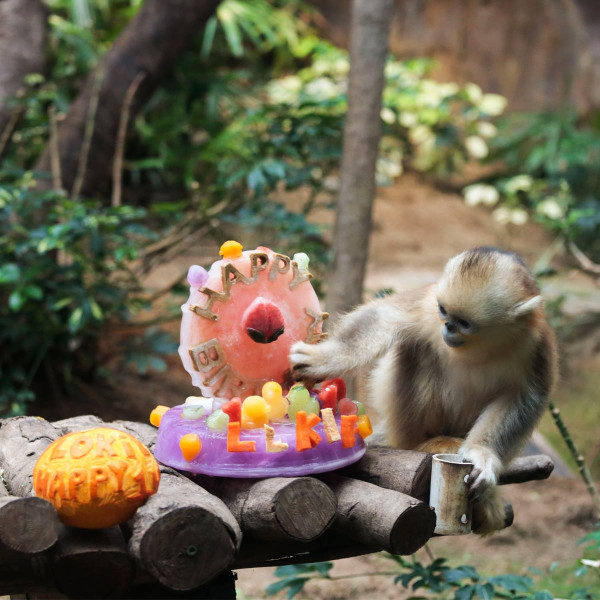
{"x":377,"y":517}
{"x":332,"y":545}
{"x":142,"y":431}
{"x":278,"y":508}
{"x":79,"y":423}
{"x":91,"y":563}
{"x":26,"y":575}
{"x":27,"y":525}
{"x":22,"y":440}
{"x":406,"y":471}
{"x":409,"y":472}
{"x":183,"y":536}
{"x":527,"y":468}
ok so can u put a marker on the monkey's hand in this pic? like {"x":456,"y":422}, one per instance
{"x":317,"y":361}
{"x":486,"y":468}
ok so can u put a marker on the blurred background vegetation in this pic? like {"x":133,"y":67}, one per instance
{"x":248,"y":114}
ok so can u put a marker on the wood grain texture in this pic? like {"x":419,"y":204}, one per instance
{"x":91,"y":563}
{"x":405,"y":471}
{"x":183,"y":536}
{"x":377,"y":517}
{"x":368,"y":50}
{"x":278,"y":508}
{"x":27,"y":525}
{"x":22,"y":440}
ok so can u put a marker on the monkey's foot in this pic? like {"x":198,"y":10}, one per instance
{"x":486,"y":467}
{"x":491,"y":513}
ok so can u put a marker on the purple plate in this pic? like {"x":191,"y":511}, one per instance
{"x":214,"y":459}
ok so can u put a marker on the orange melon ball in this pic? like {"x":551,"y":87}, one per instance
{"x":96,"y":478}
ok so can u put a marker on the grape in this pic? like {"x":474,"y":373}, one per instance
{"x":300,"y":399}
{"x":218,"y":421}
{"x":192,"y":411}
{"x":347,"y":407}
{"x":361,"y":407}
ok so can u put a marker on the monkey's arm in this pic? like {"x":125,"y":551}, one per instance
{"x":497,"y":435}
{"x":360,"y":338}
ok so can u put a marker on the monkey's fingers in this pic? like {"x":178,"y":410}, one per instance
{"x":476,"y":485}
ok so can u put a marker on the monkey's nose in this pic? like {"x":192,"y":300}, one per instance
{"x":450,"y":327}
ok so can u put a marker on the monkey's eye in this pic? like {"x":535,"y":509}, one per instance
{"x":442,"y":310}
{"x":463,"y":324}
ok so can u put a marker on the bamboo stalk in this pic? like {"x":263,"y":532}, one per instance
{"x":577,"y":456}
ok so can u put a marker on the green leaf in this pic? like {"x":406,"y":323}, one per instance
{"x":513,"y":583}
{"x":33,"y":291}
{"x":9,"y":273}
{"x":485,"y":591}
{"x":16,"y":300}
{"x":75,"y":319}
{"x":59,"y":304}
{"x":462,"y":572}
{"x":278,"y":586}
{"x":96,"y":310}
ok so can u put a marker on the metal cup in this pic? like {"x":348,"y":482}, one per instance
{"x":448,"y":494}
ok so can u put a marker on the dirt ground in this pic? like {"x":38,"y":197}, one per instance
{"x":416,"y":229}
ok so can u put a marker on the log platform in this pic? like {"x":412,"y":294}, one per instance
{"x":185,"y":540}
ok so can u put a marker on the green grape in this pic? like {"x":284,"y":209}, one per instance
{"x":192,"y":411}
{"x":299,"y":399}
{"x":361,"y":407}
{"x":302,"y":260}
{"x":218,"y":421}
{"x":314,"y":406}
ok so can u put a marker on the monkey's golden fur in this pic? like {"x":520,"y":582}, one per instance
{"x":464,"y":365}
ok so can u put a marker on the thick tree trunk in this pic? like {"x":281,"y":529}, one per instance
{"x":22,"y":27}
{"x":147,"y":48}
{"x":368,"y":50}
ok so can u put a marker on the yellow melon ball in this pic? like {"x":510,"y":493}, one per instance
{"x":255,"y":408}
{"x":231,"y":249}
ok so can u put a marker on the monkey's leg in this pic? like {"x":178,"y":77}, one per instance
{"x":441,"y":445}
{"x":491,"y":513}
{"x":361,"y":337}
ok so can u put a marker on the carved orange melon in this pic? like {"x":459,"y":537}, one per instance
{"x":96,"y":478}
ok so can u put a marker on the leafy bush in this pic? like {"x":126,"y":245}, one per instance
{"x":64,"y":274}
{"x":551,"y":171}
{"x":438,"y":579}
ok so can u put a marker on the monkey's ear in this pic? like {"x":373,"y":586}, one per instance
{"x":527,"y":306}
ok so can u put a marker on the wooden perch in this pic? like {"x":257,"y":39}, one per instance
{"x":332,"y":545}
{"x":381,"y":518}
{"x":183,"y":536}
{"x":22,"y":440}
{"x":299,"y":508}
{"x":142,"y":431}
{"x":91,"y":563}
{"x":409,"y":472}
{"x":405,"y":471}
{"x":27,"y":525}
{"x":527,"y":468}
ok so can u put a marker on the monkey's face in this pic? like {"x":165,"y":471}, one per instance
{"x":456,"y":328}
{"x":480,"y":299}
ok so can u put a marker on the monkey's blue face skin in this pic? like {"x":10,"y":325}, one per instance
{"x":455,"y":329}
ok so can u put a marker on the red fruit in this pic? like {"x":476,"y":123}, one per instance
{"x":233,"y":408}
{"x":339,"y":383}
{"x":347,"y":407}
{"x":328,"y":396}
